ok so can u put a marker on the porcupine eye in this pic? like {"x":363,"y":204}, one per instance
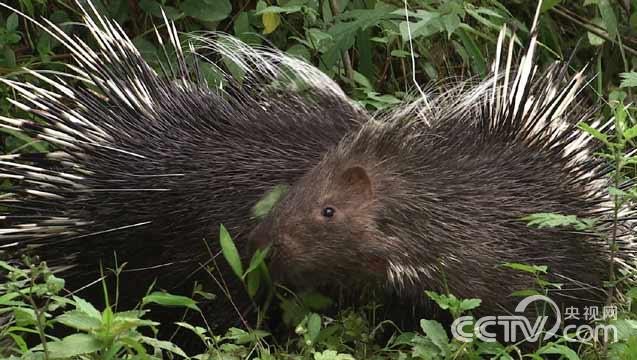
{"x":328,"y":212}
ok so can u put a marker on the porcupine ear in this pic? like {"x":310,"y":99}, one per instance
{"x":357,"y":183}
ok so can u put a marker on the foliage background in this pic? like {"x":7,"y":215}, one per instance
{"x":361,"y":43}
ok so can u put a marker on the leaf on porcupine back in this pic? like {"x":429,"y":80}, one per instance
{"x":268,"y":201}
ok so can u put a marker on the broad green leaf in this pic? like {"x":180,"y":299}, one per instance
{"x":271,"y":22}
{"x":313,"y":326}
{"x":401,"y":53}
{"x":629,"y":79}
{"x":595,"y":133}
{"x":531,"y":269}
{"x":166,"y":299}
{"x":230,"y":251}
{"x":155,"y":9}
{"x":207,"y":10}
{"x":79,"y":320}
{"x":73,"y":345}
{"x":526,"y":293}
{"x":558,"y":349}
{"x":12,"y":22}
{"x":477,"y":59}
{"x":279,"y":10}
{"x":25,"y":316}
{"x":470,"y":304}
{"x":240,"y":336}
{"x":630,"y":133}
{"x":253,"y":283}
{"x":332,"y":355}
{"x":163,"y":345}
{"x":268,"y":201}
{"x":426,"y":25}
{"x":9,"y":57}
{"x":86,"y":307}
{"x":594,"y":39}
{"x":609,"y":18}
{"x":552,"y":220}
{"x":549,"y":4}
{"x":244,"y":30}
{"x":257,"y":259}
{"x":436,"y":333}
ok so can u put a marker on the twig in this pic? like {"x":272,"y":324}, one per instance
{"x":592,"y":30}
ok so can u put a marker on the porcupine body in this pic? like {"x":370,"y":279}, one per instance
{"x":147,"y":166}
{"x":432,"y":196}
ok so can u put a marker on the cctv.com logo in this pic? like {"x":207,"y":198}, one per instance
{"x":514,"y":328}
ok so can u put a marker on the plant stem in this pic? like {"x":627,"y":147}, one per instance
{"x":347,"y":61}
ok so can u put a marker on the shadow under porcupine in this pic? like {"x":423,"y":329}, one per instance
{"x":428,"y":196}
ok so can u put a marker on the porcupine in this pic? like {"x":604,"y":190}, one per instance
{"x":146,"y":165}
{"x":432,"y":197}
{"x":172,"y":159}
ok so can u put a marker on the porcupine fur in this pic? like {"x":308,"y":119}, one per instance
{"x":431,"y":196}
{"x":148,"y":165}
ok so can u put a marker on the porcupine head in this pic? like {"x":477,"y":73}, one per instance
{"x":433,"y":196}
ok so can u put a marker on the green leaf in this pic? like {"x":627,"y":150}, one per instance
{"x":526,"y":293}
{"x":257,"y":259}
{"x":594,"y":39}
{"x":268,"y":201}
{"x":531,"y":269}
{"x":253,"y":283}
{"x":163,"y":345}
{"x":230,"y":251}
{"x":608,"y":15}
{"x":86,"y":307}
{"x":549,"y":4}
{"x":553,"y":220}
{"x":9,"y":57}
{"x":207,"y":10}
{"x":470,"y":304}
{"x":166,"y":299}
{"x":315,"y":301}
{"x":279,"y":10}
{"x":595,"y":133}
{"x":12,"y":22}
{"x":243,"y":30}
{"x":629,"y":79}
{"x":436,"y":333}
{"x":313,"y":326}
{"x":271,"y":22}
{"x":155,"y":9}
{"x":425,"y":26}
{"x":477,"y":59}
{"x":444,"y":301}
{"x":401,"y":53}
{"x":25,"y":316}
{"x":558,"y":349}
{"x":332,"y":355}
{"x":630,"y":133}
{"x":241,"y":337}
{"x":73,"y":345}
{"x":79,"y":320}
